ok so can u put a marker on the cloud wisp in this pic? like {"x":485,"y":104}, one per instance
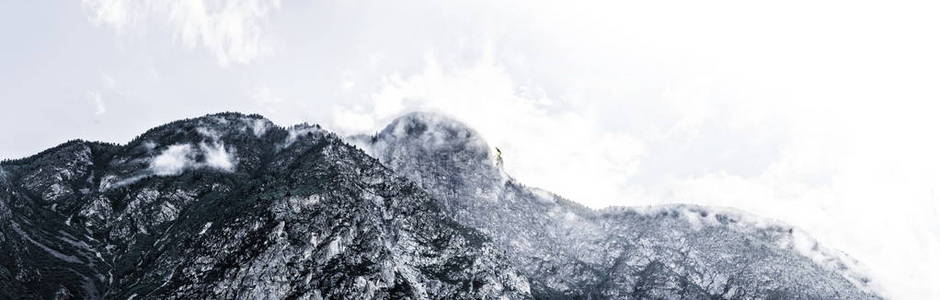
{"x":173,"y":160}
{"x":217,"y":157}
{"x":178,"y":158}
{"x":181,"y":157}
{"x":231,"y":30}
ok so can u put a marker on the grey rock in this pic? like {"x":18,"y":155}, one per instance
{"x":570,"y":251}
{"x":301,"y":215}
{"x":231,"y":206}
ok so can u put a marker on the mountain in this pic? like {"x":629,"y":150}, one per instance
{"x":570,"y":251}
{"x":231,"y":206}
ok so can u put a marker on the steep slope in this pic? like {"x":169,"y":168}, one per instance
{"x":570,"y":251}
{"x":230,"y":206}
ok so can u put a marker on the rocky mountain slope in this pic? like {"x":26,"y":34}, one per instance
{"x":231,"y":206}
{"x":569,"y":251}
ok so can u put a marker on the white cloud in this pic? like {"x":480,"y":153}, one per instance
{"x":230,"y":30}
{"x":96,"y":98}
{"x":217,"y":157}
{"x":108,"y":87}
{"x":176,"y":159}
{"x":824,"y":123}
{"x":259,"y":127}
{"x":173,"y":161}
{"x":298,"y":131}
{"x":859,"y":176}
{"x":537,"y":142}
{"x":209,"y":133}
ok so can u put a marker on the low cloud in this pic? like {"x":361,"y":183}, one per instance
{"x":97,"y":99}
{"x":259,"y":127}
{"x":209,"y":133}
{"x":217,"y":157}
{"x":181,"y":157}
{"x":298,"y":131}
{"x":529,"y":129}
{"x":176,"y":159}
{"x":825,"y":165}
{"x":824,"y":133}
{"x":173,"y":161}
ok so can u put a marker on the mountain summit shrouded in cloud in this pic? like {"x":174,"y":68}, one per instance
{"x":232,"y":206}
{"x":817,"y":114}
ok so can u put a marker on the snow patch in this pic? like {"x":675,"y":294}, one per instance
{"x":278,"y":231}
{"x":205,"y":228}
{"x":111,"y":181}
{"x":334,"y":248}
{"x":313,"y":238}
{"x":168,"y":212}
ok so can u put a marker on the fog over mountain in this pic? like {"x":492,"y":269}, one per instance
{"x":233,"y":206}
{"x":818,"y":114}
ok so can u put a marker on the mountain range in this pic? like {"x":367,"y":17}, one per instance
{"x":232,"y":206}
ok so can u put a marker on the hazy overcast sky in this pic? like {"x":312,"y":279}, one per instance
{"x":821,"y":114}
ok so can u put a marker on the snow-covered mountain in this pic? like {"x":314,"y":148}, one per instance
{"x":231,"y":206}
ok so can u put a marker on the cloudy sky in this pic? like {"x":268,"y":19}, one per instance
{"x":821,"y":114}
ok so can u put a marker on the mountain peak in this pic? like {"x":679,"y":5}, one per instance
{"x":212,"y":127}
{"x":434,"y":132}
{"x":571,"y":251}
{"x":206,"y":208}
{"x":454,"y":153}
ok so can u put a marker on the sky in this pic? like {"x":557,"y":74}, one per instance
{"x":820,"y":114}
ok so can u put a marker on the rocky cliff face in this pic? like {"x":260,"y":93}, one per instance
{"x":230,"y":206}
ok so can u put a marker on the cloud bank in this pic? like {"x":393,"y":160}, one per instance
{"x":824,"y":166}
